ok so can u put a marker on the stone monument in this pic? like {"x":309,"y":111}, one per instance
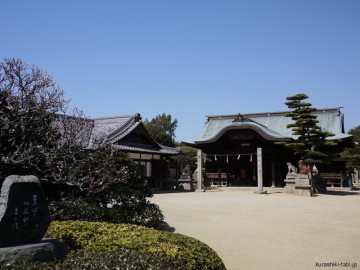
{"x":24,"y":219}
{"x":23,"y":211}
{"x":186,"y":182}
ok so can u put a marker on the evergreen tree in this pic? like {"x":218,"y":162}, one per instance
{"x":352,"y":155}
{"x":312,"y":144}
{"x":187,"y":156}
{"x":162,"y":129}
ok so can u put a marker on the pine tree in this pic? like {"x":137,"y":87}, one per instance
{"x":312,"y":144}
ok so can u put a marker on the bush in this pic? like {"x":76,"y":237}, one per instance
{"x":92,"y":180}
{"x":146,"y":214}
{"x":122,"y":259}
{"x":97,"y":237}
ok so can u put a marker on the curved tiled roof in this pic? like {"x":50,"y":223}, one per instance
{"x":271,"y":126}
{"x":211,"y":135}
{"x":114,"y":129}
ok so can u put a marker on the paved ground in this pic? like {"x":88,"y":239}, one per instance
{"x":274,"y":231}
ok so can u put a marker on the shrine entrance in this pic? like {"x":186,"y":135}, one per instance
{"x":231,"y":160}
{"x":238,"y":170}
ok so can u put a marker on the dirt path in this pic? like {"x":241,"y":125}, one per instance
{"x":274,"y":231}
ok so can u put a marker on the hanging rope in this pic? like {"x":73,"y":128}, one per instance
{"x":230,"y":155}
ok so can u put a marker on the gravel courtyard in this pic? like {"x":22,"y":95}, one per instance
{"x":273,"y":231}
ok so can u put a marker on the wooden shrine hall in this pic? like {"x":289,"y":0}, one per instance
{"x":228,"y":146}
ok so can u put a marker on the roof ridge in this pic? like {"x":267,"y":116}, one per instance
{"x":129,"y":125}
{"x":337,"y":109}
{"x":135,"y":115}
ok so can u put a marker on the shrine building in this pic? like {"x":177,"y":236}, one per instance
{"x":229,"y":143}
{"x":128,"y":134}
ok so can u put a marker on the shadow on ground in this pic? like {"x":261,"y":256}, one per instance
{"x":342,"y":193}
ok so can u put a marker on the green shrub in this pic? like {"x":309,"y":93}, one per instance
{"x":76,"y":209}
{"x":122,"y":259}
{"x":87,"y":182}
{"x":145,"y":214}
{"x":90,"y":237}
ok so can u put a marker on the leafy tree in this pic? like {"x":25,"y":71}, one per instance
{"x":187,"y":156}
{"x":352,"y":155}
{"x":312,"y":144}
{"x":162,"y":129}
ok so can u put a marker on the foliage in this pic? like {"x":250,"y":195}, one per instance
{"x":187,"y":156}
{"x":75,"y":129}
{"x":121,"y":259}
{"x":146,"y":214}
{"x":105,"y":237}
{"x":98,"y":179}
{"x":352,"y":155}
{"x":38,"y":138}
{"x":29,"y":100}
{"x":312,"y":144}
{"x":162,"y":129}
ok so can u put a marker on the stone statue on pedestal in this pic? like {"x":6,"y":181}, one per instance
{"x":186,"y":182}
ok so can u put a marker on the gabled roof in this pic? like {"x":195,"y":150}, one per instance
{"x":118,"y":130}
{"x":271,"y":126}
{"x":116,"y":127}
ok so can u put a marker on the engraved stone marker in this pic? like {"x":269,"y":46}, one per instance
{"x":24,"y":215}
{"x":199,"y":170}
{"x":260,"y":173}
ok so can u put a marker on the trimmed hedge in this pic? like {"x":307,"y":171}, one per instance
{"x":99,"y":237}
{"x":122,"y":259}
{"x":145,"y":214}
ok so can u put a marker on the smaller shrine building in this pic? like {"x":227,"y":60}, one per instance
{"x":128,"y":134}
{"x":229,"y":146}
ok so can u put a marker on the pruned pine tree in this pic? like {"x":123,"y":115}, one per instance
{"x":312,"y":144}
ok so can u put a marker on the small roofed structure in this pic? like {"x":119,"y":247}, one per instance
{"x":231,"y":141}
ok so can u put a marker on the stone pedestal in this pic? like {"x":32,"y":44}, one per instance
{"x":303,"y":186}
{"x":298,"y":184}
{"x":261,"y":192}
{"x":43,"y":251}
{"x":186,"y":184}
{"x":290,"y":183}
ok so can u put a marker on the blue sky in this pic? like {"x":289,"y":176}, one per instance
{"x":191,"y":58}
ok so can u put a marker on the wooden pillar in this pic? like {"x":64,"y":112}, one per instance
{"x":273,"y":173}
